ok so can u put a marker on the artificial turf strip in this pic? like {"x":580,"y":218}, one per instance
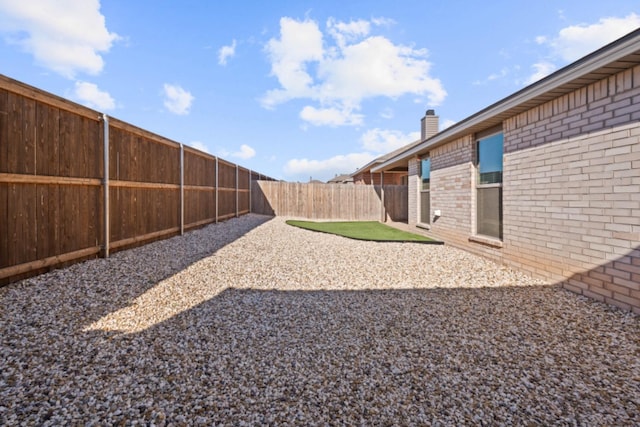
{"x":363,"y":230}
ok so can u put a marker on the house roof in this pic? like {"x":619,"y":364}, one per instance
{"x":341,"y":179}
{"x":386,"y":157}
{"x":611,"y":59}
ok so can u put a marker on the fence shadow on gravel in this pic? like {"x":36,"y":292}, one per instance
{"x":108,"y":285}
{"x":505,"y":355}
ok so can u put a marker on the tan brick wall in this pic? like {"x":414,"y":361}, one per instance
{"x":455,"y":153}
{"x":608,"y":103}
{"x":572,"y":190}
{"x":572,"y":213}
{"x":453,"y":192}
{"x":571,"y":201}
{"x":368,"y":178}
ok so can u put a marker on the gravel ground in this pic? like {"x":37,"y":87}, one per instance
{"x":253,"y":322}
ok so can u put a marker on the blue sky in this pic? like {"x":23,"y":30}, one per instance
{"x":297,"y":89}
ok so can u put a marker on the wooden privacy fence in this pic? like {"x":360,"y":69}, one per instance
{"x":59,"y":181}
{"x":330,"y":201}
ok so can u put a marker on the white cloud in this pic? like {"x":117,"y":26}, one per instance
{"x":541,"y":70}
{"x":245,"y":152}
{"x":374,"y":143}
{"x":344,"y":32}
{"x":340,"y":75}
{"x":447,"y":124}
{"x":90,"y":95}
{"x":387,"y":113}
{"x":385,"y":141}
{"x":198,"y":145}
{"x":226,"y":52}
{"x":177,"y":100}
{"x":383,"y":22}
{"x":495,"y":76}
{"x":66,"y":36}
{"x":541,"y":39}
{"x":575,"y":41}
{"x":299,"y":43}
{"x":328,"y":167}
{"x":376,"y":67}
{"x":330,"y":116}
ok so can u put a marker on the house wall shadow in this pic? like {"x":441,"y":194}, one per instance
{"x":396,"y":202}
{"x":260,"y":203}
{"x":616,"y":282}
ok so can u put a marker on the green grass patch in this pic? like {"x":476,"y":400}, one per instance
{"x":363,"y":230}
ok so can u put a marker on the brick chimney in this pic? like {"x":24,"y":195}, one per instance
{"x":429,"y":124}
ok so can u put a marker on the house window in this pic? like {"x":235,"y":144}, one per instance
{"x":425,"y":191}
{"x":489,"y":185}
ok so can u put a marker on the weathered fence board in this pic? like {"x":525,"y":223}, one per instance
{"x":52,"y":183}
{"x":329,"y":201}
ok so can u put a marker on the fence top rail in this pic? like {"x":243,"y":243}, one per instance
{"x":226,"y":162}
{"x":119,"y":124}
{"x":40,"y":95}
{"x":197,"y":152}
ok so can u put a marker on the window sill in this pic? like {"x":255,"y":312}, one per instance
{"x":492,"y":185}
{"x":423,"y":226}
{"x":486,"y":240}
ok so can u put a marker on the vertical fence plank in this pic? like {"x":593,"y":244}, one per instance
{"x":15,"y":149}
{"x":4,"y":188}
{"x":181,"y":189}
{"x":4,"y":226}
{"x":237,"y":192}
{"x":4,"y":131}
{"x":43,"y":204}
{"x":217,"y":191}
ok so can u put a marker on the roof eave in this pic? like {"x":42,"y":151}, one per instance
{"x":598,"y":64}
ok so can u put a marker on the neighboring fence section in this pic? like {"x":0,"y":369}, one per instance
{"x":330,"y":201}
{"x":55,"y":194}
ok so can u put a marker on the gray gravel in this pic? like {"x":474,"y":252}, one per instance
{"x":253,"y":322}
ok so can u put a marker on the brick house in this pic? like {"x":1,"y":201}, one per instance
{"x":397,"y":175}
{"x":341,"y":179}
{"x":546,"y":180}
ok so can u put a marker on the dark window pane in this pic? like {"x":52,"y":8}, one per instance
{"x":490,"y":211}
{"x":425,"y":173}
{"x":490,"y":159}
{"x":425,"y":207}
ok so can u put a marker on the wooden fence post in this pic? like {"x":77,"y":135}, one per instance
{"x":237,"y":193}
{"x":382,"y":209}
{"x":217,"y":185}
{"x":105,"y":183}
{"x":181,"y":189}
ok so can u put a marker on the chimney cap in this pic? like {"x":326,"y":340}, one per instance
{"x":430,"y":113}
